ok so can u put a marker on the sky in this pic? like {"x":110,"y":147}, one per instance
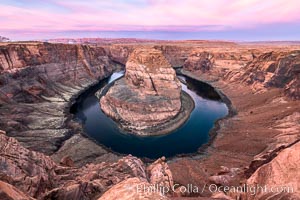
{"x":240,"y":20}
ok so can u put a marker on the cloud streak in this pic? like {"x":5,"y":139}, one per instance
{"x":147,"y":15}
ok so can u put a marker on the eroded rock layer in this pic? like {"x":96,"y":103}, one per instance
{"x":38,"y":82}
{"x":280,"y":176}
{"x":26,"y":174}
{"x":149,"y":95}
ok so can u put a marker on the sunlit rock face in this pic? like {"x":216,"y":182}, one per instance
{"x":148,"y":71}
{"x":148,"y":95}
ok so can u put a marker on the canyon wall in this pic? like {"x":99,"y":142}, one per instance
{"x":37,"y":83}
{"x":262,"y":84}
{"x":260,"y":67}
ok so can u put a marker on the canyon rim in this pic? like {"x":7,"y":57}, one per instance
{"x":149,"y":100}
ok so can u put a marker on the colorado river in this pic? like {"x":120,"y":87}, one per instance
{"x":186,"y":139}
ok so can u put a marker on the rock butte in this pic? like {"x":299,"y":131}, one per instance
{"x":148,"y":96}
{"x":258,"y":145}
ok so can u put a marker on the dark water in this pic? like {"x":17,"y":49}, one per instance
{"x":187,"y":139}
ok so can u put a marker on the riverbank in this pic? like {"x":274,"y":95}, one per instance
{"x":263,"y":124}
{"x":217,"y":125}
{"x":86,"y":149}
{"x":187,"y":105}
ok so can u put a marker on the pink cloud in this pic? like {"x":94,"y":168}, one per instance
{"x":158,"y":14}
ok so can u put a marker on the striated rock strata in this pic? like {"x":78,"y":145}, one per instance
{"x":38,"y":82}
{"x":148,"y":96}
{"x":280,"y":176}
{"x":26,"y":174}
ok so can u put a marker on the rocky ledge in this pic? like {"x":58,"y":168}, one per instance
{"x":29,"y":175}
{"x":148,"y":100}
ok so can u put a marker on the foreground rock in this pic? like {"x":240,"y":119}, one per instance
{"x":131,"y":189}
{"x":280,"y":177}
{"x":26,"y":174}
{"x":29,"y":171}
{"x":9,"y":192}
{"x":148,"y":96}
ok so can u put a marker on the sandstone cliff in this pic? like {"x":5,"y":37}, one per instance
{"x":275,"y":69}
{"x":148,"y":71}
{"x":38,"y":81}
{"x":261,"y":69}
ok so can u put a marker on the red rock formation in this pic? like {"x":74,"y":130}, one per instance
{"x":67,"y":161}
{"x":175,"y":54}
{"x":9,"y":192}
{"x":199,"y":61}
{"x":37,"y":83}
{"x":120,"y":53}
{"x":160,"y":174}
{"x":276,"y":69}
{"x":25,"y":174}
{"x":260,"y":68}
{"x":148,"y":71}
{"x":132,"y":188}
{"x":149,"y":95}
{"x":29,"y":171}
{"x":280,"y":177}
